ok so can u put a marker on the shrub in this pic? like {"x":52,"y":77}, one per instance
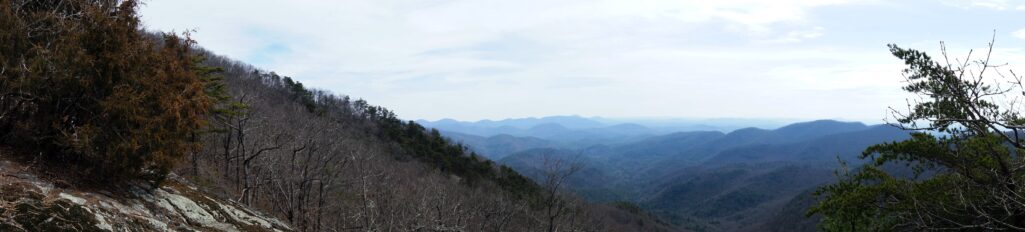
{"x":83,"y":85}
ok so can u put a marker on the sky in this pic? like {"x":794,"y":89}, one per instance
{"x":496,"y":59}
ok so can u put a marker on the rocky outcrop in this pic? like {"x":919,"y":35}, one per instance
{"x":29,"y":203}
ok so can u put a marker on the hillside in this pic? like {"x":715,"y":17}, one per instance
{"x":824,"y":149}
{"x":153,"y":122}
{"x":591,"y":116}
{"x":714,"y":181}
{"x":318,"y":159}
{"x":32,"y":200}
{"x":498,"y":146}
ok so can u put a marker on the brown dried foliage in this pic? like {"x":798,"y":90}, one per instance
{"x":82,"y":85}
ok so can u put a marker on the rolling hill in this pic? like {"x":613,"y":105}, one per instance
{"x":707,"y":180}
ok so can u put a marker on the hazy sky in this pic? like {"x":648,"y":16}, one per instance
{"x":477,"y":59}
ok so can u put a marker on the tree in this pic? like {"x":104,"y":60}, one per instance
{"x":963,"y":168}
{"x":83,"y":85}
{"x":217,"y":92}
{"x":555,"y":173}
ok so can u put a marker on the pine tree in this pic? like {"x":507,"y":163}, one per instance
{"x":964,"y":159}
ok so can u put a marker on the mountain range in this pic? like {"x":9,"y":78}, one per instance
{"x":747,"y":179}
{"x":577,"y":132}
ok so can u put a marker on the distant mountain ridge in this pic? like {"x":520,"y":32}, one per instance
{"x":701,"y":180}
{"x":516,"y":126}
{"x":577,"y":132}
{"x":574,"y":122}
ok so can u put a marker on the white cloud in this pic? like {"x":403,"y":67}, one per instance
{"x":798,"y":36}
{"x":473,"y":59}
{"x":1019,"y":33}
{"x":987,"y":4}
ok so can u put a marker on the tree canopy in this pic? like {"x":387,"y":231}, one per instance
{"x":83,"y":85}
{"x":959,"y":171}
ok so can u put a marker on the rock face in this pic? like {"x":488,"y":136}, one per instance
{"x":28,"y":203}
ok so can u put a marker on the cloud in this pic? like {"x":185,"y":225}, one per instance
{"x":798,"y":36}
{"x":382,"y":37}
{"x":986,"y":4}
{"x":1019,"y":33}
{"x":473,"y":59}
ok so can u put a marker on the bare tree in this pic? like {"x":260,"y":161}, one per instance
{"x":326,"y":169}
{"x":556,"y":172}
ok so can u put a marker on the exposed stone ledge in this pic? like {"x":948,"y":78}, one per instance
{"x":28,"y":203}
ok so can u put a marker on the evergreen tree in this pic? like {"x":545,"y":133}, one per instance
{"x":83,"y":85}
{"x":965,"y":171}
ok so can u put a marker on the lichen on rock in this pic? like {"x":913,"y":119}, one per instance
{"x":28,"y":203}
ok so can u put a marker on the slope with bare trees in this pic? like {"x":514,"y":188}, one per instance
{"x":326,"y":162}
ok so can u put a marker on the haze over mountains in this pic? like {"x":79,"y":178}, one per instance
{"x":296,"y":115}
{"x":510,"y":135}
{"x":703,"y":175}
{"x":486,"y":126}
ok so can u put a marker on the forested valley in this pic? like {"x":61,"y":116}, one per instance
{"x":319,"y":161}
{"x":106,"y":125}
